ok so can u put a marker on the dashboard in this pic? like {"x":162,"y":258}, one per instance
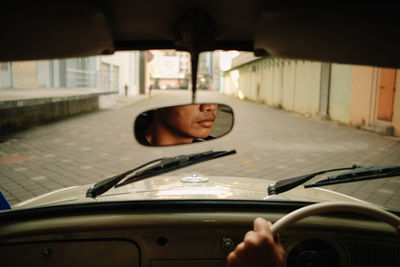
{"x":184,"y":233}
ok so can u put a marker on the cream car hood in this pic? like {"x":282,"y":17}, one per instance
{"x":178,"y":187}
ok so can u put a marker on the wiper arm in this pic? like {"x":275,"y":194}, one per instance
{"x":290,"y":183}
{"x":173,"y":163}
{"x":164,"y":165}
{"x":360,"y":174}
{"x":105,"y":185}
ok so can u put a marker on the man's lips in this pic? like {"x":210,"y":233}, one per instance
{"x":207,"y":123}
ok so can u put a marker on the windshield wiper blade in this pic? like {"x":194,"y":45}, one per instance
{"x":359,"y":174}
{"x":173,"y":163}
{"x":164,"y":165}
{"x":105,"y":185}
{"x":289,"y":183}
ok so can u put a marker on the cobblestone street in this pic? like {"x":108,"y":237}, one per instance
{"x":271,"y":143}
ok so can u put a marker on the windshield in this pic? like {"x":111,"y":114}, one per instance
{"x":69,"y":122}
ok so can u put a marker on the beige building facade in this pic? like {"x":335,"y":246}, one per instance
{"x":360,"y":96}
{"x":106,"y":73}
{"x":368,"y":100}
{"x":24,"y":74}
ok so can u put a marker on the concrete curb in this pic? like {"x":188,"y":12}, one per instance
{"x":22,"y":102}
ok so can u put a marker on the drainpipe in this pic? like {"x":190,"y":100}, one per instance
{"x":325,"y":86}
{"x":142,"y":89}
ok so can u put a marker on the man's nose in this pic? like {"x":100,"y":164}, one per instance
{"x":208,"y":107}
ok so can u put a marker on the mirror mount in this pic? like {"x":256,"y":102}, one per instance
{"x":196,"y":33}
{"x":194,"y":58}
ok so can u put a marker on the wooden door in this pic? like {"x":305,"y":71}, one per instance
{"x":386,"y":93}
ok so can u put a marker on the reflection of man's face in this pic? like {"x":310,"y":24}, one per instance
{"x":189,"y":121}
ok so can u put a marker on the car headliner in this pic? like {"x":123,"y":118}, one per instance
{"x":357,"y":33}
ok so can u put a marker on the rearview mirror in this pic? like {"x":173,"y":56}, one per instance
{"x":184,"y":124}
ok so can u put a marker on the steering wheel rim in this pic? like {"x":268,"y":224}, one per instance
{"x":326,"y":207}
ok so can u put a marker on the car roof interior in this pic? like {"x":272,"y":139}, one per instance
{"x":356,"y":33}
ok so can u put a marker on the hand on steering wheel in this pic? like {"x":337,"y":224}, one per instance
{"x":259,"y":248}
{"x":262,"y":247}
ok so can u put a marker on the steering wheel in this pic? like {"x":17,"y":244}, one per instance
{"x":325,"y":207}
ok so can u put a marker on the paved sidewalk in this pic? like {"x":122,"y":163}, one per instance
{"x":271,"y":144}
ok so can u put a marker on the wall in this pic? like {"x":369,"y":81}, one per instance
{"x":307,"y":86}
{"x":293,"y":85}
{"x":128,"y":63}
{"x":363,"y":94}
{"x":340,"y":92}
{"x":26,"y":116}
{"x":5,"y":75}
{"x":43,"y":73}
{"x":24,"y":74}
{"x":289,"y":85}
{"x":396,"y":106}
{"x":364,"y":98}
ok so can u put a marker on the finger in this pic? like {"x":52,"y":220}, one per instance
{"x":232,"y":260}
{"x":237,"y":256}
{"x":250,"y":236}
{"x":231,"y":257}
{"x":277,"y":238}
{"x":252,"y":241}
{"x":261,"y":226}
{"x":239,"y":249}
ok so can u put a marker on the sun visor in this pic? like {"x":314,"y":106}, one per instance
{"x":366,"y":36}
{"x":57,"y":30}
